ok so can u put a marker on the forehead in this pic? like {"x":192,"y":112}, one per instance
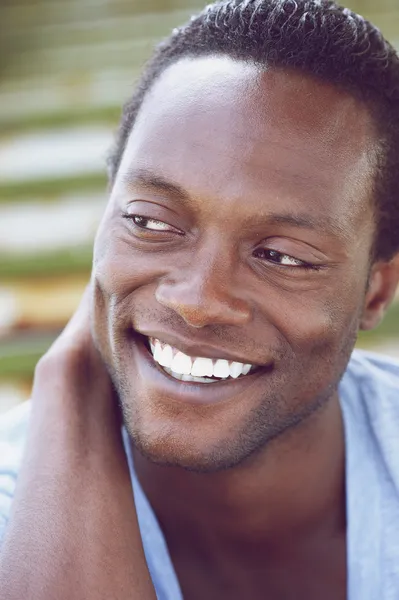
{"x":220,"y":127}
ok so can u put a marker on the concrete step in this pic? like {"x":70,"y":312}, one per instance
{"x":45,"y":95}
{"x":44,"y":303}
{"x":38,"y":227}
{"x":54,"y":153}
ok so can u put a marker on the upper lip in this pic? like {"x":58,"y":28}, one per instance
{"x":195,"y":349}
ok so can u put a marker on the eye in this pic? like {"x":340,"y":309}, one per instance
{"x":284,"y":260}
{"x":149,"y":224}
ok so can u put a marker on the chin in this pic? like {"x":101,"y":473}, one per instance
{"x":169,"y":444}
{"x":197,"y":445}
{"x":205,"y":428}
{"x":177,"y":453}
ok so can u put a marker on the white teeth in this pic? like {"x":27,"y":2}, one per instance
{"x":156,"y":350}
{"x":181,"y":363}
{"x":176,"y":375}
{"x":196,"y":379}
{"x":246,"y":369}
{"x":236,"y":369}
{"x":165,"y":359}
{"x":199,"y":370}
{"x":221,"y":368}
{"x":189,"y":377}
{"x":202,"y":367}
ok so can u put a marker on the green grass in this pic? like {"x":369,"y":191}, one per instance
{"x":51,"y":189}
{"x":74,"y":260}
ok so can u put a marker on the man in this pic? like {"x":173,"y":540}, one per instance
{"x":251,"y":231}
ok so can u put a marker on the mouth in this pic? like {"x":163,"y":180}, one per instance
{"x":196,"y":369}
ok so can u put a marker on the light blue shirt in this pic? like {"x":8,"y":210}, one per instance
{"x":369,"y":395}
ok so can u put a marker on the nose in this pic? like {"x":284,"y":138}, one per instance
{"x":205,"y":294}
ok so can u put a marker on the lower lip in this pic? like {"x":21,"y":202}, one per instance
{"x":189,"y":391}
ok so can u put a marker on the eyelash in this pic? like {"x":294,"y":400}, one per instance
{"x":132,"y":219}
{"x":301,"y":264}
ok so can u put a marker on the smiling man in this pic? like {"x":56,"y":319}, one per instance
{"x":251,"y":231}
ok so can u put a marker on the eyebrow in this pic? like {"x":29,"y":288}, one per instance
{"x":147,"y":179}
{"x":305,"y":221}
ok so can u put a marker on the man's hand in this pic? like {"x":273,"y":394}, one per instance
{"x":72,"y":372}
{"x":73,"y":532}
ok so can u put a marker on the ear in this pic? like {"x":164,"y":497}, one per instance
{"x":381,"y":290}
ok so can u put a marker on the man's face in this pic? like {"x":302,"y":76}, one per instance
{"x":239,"y":228}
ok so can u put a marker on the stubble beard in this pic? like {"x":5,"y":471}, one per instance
{"x":272,"y":420}
{"x":263,"y":428}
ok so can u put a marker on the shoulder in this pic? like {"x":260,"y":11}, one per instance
{"x":369,"y":394}
{"x":13,"y":430}
{"x":374,"y":370}
{"x":373,"y":380}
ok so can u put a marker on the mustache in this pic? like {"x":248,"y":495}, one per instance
{"x":245,"y":340}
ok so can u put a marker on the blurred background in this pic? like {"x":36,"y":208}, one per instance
{"x":66,"y":67}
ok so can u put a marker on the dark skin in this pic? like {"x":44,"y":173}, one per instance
{"x":255,"y":190}
{"x":252,"y":241}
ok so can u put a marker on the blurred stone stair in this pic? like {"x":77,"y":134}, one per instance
{"x":66,"y":67}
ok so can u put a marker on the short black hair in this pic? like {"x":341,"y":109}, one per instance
{"x":320,"y":38}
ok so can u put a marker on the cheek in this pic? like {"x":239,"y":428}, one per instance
{"x":317,"y":334}
{"x":317,"y":325}
{"x":116,"y":273}
{"x":118,"y":267}
{"x":119,"y":272}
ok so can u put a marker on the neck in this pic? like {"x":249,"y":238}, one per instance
{"x":293,"y":488}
